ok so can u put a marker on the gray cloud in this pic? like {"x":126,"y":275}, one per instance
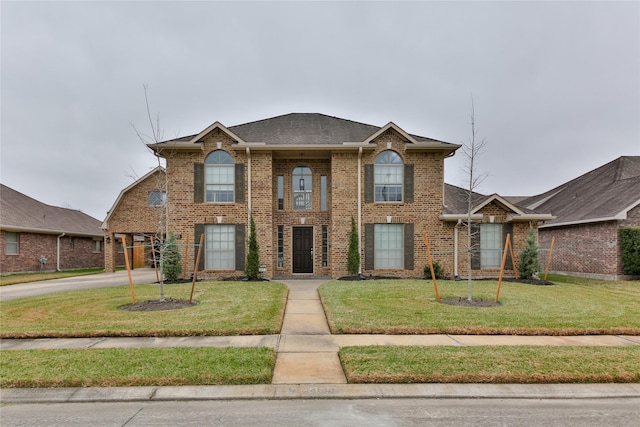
{"x":556,"y":85}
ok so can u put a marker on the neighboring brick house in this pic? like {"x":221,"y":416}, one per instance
{"x":39,"y":237}
{"x":589,"y":211}
{"x":303,"y":177}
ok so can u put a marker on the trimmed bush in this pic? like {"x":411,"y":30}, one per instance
{"x":437,"y":270}
{"x":172,"y":265}
{"x":353,"y":256}
{"x":629,"y":241}
{"x":529,"y":264}
{"x":252,"y":269}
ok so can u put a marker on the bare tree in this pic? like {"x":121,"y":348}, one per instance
{"x":471,"y":150}
{"x":152,"y":140}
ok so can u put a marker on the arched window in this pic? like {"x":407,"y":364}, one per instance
{"x":389,"y":170}
{"x":219,"y":177}
{"x":302,"y":188}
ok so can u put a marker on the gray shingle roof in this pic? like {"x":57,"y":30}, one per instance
{"x":602,"y":193}
{"x":22,"y":213}
{"x":305,"y":128}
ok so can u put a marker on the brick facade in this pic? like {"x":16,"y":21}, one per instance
{"x":75,"y":253}
{"x":256,"y":191}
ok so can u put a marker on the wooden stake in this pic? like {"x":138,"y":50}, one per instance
{"x":546,"y":271}
{"x":513,"y":260}
{"x":507,"y":245}
{"x":195,"y":269}
{"x":433,"y":275}
{"x":186,"y":254}
{"x":126,"y":263}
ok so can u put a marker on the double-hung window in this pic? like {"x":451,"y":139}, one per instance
{"x":12,"y":243}
{"x":220,"y":243}
{"x":388,"y":174}
{"x":490,"y":245}
{"x":219,"y":177}
{"x":389,"y":246}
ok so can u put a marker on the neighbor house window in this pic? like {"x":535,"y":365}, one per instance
{"x":219,"y":177}
{"x":12,"y":243}
{"x":157,"y":198}
{"x":325,"y":245}
{"x":388,"y":173}
{"x":280,"y":192}
{"x":97,"y":246}
{"x":302,"y":188}
{"x":280,"y":239}
{"x":220,"y":245}
{"x":490,"y":245}
{"x":388,"y":244}
{"x":71,"y":242}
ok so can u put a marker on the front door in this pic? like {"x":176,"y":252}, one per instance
{"x":303,"y":249}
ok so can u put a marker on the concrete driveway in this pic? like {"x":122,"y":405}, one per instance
{"x":102,"y":280}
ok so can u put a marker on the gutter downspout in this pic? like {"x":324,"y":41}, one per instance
{"x":58,"y":253}
{"x":360,"y":208}
{"x":248,"y":150}
{"x":455,"y":249}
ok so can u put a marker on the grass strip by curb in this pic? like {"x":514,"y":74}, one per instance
{"x":136,"y":367}
{"x":491,"y":364}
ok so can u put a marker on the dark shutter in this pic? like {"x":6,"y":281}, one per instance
{"x":507,"y":228}
{"x":198,"y":183}
{"x":475,"y":246}
{"x":369,"y":250}
{"x":368,"y":183}
{"x":199,"y":231}
{"x":240,"y":261}
{"x":239,"y":182}
{"x":408,"y":247}
{"x":408,"y":183}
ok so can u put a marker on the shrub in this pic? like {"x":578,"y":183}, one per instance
{"x":353,"y":256}
{"x":629,"y":242}
{"x":252,"y":268}
{"x":172,"y":265}
{"x":529,"y":264}
{"x":437,"y":270}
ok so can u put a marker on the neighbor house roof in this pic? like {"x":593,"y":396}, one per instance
{"x":23,"y":214}
{"x":456,"y":203}
{"x":603,"y":194}
{"x":309,"y":130}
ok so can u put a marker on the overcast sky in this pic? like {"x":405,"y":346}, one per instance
{"x":556,"y":86}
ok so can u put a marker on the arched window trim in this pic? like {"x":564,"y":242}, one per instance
{"x":302,"y":187}
{"x":219,"y":177}
{"x":388,"y":177}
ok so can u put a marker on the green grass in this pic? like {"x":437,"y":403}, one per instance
{"x":12,"y":279}
{"x":222,"y":308}
{"x":573,"y":307}
{"x":136,"y":367}
{"x":489,"y":364}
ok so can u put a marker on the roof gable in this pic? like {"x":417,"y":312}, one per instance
{"x":25,"y":214}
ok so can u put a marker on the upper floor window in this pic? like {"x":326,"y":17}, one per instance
{"x":157,"y":198}
{"x":388,"y":174}
{"x":302,"y":182}
{"x":219,"y":177}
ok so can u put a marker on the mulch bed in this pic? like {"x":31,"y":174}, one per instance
{"x":156,"y":305}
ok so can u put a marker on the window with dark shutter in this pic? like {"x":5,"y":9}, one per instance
{"x":507,"y":228}
{"x":408,"y":247}
{"x":369,"y":249}
{"x":239,"y":182}
{"x":240,"y":253}
{"x":368,"y":183}
{"x":197,"y":233}
{"x":198,"y":183}
{"x":408,"y":183}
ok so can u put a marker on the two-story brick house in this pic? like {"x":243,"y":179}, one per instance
{"x":303,"y":177}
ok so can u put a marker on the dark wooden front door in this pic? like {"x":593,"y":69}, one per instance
{"x":303,"y":249}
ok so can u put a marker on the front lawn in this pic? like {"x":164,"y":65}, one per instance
{"x":222,"y":308}
{"x":573,"y":307}
{"x":491,"y":364}
{"x":117,"y":367}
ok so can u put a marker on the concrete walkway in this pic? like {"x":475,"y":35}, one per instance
{"x":307,"y":363}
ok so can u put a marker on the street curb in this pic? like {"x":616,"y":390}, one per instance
{"x":319,"y":391}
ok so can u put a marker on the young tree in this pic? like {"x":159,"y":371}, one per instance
{"x":252,"y":268}
{"x":353,"y":256}
{"x":171,"y":260}
{"x":471,"y":150}
{"x":529,"y":264}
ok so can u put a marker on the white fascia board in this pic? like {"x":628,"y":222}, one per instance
{"x":620,"y":216}
{"x":501,"y":200}
{"x":18,"y":229}
{"x":456,"y":217}
{"x":529,"y":217}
